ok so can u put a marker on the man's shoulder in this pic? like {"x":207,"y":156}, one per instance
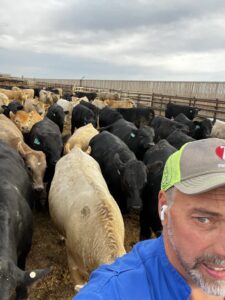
{"x":115,"y":279}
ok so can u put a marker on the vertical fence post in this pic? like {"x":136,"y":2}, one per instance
{"x":161,"y":103}
{"x":190,"y":101}
{"x":138,"y":99}
{"x":194,"y":101}
{"x":216,"y":109}
{"x":152,"y":102}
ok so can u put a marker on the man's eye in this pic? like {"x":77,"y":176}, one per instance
{"x":203,"y":220}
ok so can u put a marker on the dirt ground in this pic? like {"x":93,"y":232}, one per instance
{"x":49,"y":251}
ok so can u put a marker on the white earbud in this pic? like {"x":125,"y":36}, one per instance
{"x":162,"y":213}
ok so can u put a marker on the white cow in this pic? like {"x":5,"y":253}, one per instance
{"x":66,"y":105}
{"x":86,"y":214}
{"x":218,"y":129}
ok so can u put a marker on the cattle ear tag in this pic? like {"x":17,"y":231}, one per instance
{"x":32,"y":274}
{"x":36,"y":141}
{"x":132,"y":135}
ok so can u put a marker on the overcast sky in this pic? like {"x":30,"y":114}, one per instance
{"x":113,"y":39}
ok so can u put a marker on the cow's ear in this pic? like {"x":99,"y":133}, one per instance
{"x":154,"y":167}
{"x":23,"y":149}
{"x":12,"y":115}
{"x":118,"y":163}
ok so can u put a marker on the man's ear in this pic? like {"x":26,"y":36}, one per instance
{"x":162,"y":206}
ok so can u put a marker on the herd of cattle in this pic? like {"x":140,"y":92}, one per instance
{"x":111,"y":160}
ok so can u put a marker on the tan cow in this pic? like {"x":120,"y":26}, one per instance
{"x":85,"y":213}
{"x":14,"y":95}
{"x":120,"y":103}
{"x":27,"y":93}
{"x":4,"y":100}
{"x":99,"y":103}
{"x":34,"y":160}
{"x":48,"y":97}
{"x":34,"y":104}
{"x":24,"y":120}
{"x":108,"y":95}
{"x":81,"y":138}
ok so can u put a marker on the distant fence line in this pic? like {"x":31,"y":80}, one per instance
{"x":182,"y":88}
{"x":208,"y":96}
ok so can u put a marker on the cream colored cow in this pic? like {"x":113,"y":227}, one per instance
{"x":120,"y":103}
{"x":4,"y":100}
{"x":34,"y":160}
{"x":85,"y":213}
{"x":99,"y":103}
{"x":81,"y":138}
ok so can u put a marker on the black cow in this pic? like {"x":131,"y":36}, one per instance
{"x":67,"y":96}
{"x":124,"y":174}
{"x":108,"y":116}
{"x":155,"y":159}
{"x":138,"y":140}
{"x":140,"y":116}
{"x":93,"y":107}
{"x":57,"y":115}
{"x":90,"y":95}
{"x":13,"y":106}
{"x":172,"y":110}
{"x":45,"y":136}
{"x":82,"y":115}
{"x":37,"y":91}
{"x":178,"y":138}
{"x":198,"y":129}
{"x":15,"y":225}
{"x":164,"y":127}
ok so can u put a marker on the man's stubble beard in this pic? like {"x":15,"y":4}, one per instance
{"x":209,"y":286}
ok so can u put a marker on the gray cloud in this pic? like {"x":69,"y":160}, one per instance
{"x":135,"y":39}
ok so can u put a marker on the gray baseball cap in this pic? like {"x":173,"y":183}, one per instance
{"x":197,"y":167}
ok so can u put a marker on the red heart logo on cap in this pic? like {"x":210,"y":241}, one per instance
{"x":220,"y":151}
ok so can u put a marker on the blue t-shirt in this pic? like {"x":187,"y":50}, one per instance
{"x":145,"y":273}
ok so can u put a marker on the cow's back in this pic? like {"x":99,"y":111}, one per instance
{"x":84,"y":211}
{"x":8,"y":130}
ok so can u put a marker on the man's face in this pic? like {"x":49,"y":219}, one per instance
{"x":194,"y":234}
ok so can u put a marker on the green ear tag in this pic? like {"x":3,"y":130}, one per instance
{"x":36,"y":141}
{"x":132,"y":135}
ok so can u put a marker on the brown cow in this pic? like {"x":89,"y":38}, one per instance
{"x":34,"y":160}
{"x":24,"y":120}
